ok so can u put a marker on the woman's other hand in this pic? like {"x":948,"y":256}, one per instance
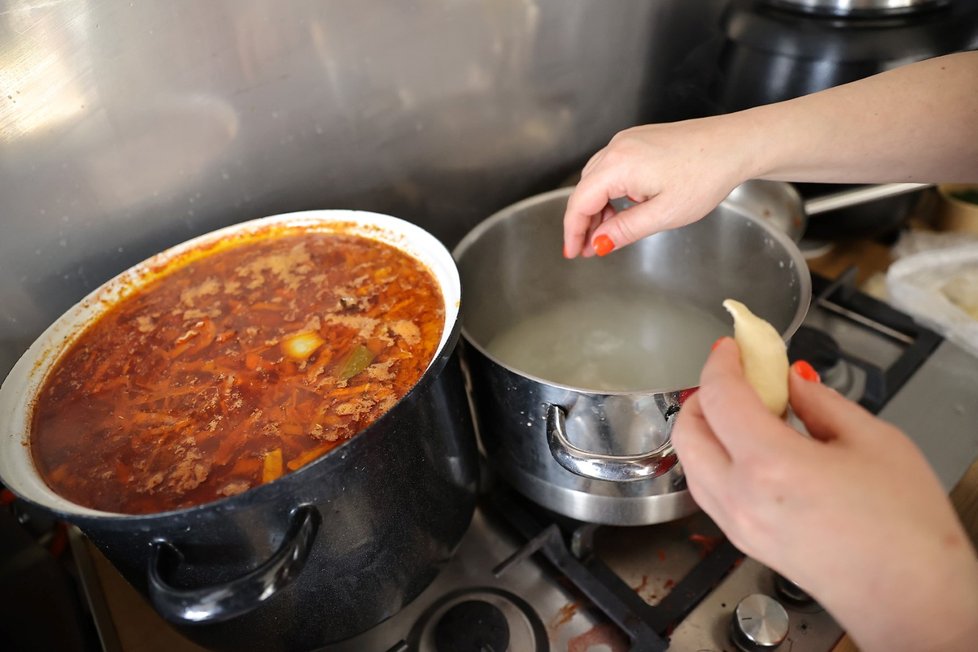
{"x":913,"y":123}
{"x":676,"y":173}
{"x":854,"y":514}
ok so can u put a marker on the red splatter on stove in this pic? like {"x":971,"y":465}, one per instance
{"x":662,"y":554}
{"x":564,"y":615}
{"x":669,"y":584}
{"x":642,"y":584}
{"x":604,"y":634}
{"x":706,"y":543}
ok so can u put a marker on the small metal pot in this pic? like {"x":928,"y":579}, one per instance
{"x":318,"y":555}
{"x":605,"y":457}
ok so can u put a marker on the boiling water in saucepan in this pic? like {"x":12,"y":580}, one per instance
{"x":647,"y":341}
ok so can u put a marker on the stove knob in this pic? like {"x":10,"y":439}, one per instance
{"x":759,"y":623}
{"x":790,"y":591}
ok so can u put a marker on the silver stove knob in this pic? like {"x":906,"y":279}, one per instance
{"x":790,"y":592}
{"x":759,"y":623}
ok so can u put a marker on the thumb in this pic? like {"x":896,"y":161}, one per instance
{"x":827,"y":414}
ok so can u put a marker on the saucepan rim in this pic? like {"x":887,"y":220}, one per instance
{"x":507,"y":213}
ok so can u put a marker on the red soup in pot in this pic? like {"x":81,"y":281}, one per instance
{"x":234,"y":367}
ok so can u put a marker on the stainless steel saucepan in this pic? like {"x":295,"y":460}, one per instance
{"x":566,"y":440}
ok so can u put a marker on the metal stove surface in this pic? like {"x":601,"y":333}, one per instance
{"x":542,"y":612}
{"x":916,"y":380}
{"x":545,"y":612}
{"x":560,"y":587}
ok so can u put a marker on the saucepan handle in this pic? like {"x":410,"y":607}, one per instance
{"x":601,"y":466}
{"x":220,"y":602}
{"x":858,"y":196}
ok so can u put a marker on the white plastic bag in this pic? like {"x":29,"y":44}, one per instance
{"x":918,"y":285}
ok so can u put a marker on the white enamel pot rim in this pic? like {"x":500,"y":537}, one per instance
{"x":19,"y":389}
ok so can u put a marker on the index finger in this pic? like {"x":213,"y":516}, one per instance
{"x":733,"y":409}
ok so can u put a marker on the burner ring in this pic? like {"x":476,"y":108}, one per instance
{"x":472,"y":626}
{"x":526,"y":630}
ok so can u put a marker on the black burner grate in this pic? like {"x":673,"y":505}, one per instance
{"x":646,"y":626}
{"x":842,"y":298}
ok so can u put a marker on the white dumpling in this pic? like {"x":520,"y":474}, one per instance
{"x":763,"y":356}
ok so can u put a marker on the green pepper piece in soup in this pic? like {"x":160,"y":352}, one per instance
{"x":358,"y":360}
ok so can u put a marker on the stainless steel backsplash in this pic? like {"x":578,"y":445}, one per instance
{"x":126,"y":127}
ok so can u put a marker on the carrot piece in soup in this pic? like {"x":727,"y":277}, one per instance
{"x":271,"y":465}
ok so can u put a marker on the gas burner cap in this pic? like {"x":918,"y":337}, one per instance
{"x":820,"y":349}
{"x":472,"y":626}
{"x":816,"y":347}
{"x":479,"y":620}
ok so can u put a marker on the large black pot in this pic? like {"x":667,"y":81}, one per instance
{"x":772,"y":53}
{"x":320,"y":554}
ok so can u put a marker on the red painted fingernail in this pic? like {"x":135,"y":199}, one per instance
{"x":603,"y":245}
{"x":806,"y":371}
{"x":716,"y":344}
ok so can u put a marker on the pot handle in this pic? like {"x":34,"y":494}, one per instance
{"x":858,"y":196}
{"x":221,"y":602}
{"x":601,"y":466}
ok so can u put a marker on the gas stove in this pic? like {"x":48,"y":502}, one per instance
{"x":528,"y":580}
{"x":525,"y":579}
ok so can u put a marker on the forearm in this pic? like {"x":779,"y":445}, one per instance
{"x":915,"y":123}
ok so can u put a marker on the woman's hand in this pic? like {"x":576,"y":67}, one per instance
{"x":914,"y":123}
{"x":854,"y":514}
{"x":677,"y":173}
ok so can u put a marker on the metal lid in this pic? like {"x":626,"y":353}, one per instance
{"x":858,"y":7}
